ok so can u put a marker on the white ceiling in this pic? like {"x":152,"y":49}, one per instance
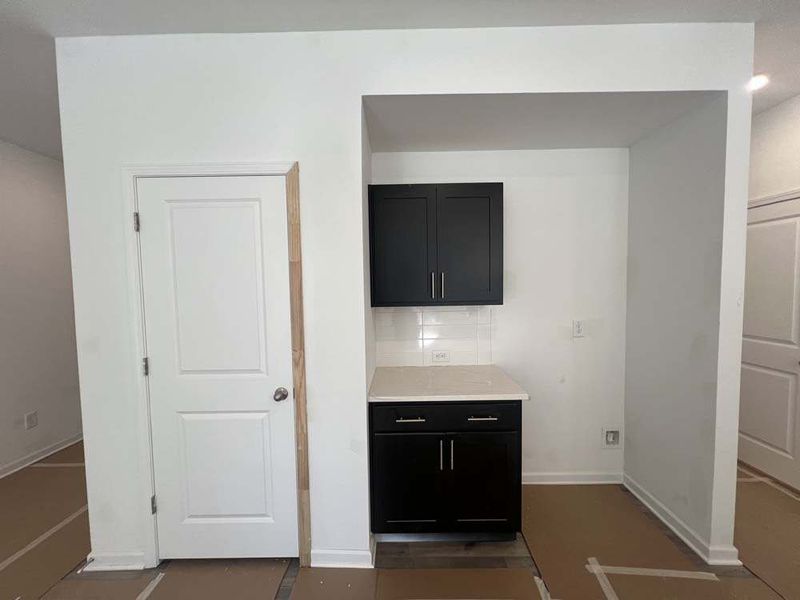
{"x":28,"y":93}
{"x":521,"y":121}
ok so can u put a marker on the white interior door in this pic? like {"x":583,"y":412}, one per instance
{"x":769,"y":421}
{"x":215,"y":277}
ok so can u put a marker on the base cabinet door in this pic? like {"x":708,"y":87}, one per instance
{"x":407,"y":482}
{"x":484,"y":488}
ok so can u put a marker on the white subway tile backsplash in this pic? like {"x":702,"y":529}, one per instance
{"x":450,"y":317}
{"x":409,"y":336}
{"x":449,"y":332}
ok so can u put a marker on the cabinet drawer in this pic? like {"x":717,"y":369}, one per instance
{"x":446,"y":416}
{"x":489,"y":416}
{"x":408,"y":417}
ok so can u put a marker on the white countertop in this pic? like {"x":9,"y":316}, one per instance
{"x":464,"y":383}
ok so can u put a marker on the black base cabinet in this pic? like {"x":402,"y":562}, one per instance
{"x":445,"y":467}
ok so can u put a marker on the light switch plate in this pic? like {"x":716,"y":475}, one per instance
{"x":612,"y":437}
{"x":578,"y":329}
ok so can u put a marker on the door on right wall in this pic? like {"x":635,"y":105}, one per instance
{"x":769,"y":424}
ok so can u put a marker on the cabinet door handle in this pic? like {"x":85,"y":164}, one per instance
{"x":441,"y":455}
{"x":451,"y":454}
{"x":481,"y":418}
{"x":433,"y":285}
{"x":442,"y":285}
{"x":410,"y":420}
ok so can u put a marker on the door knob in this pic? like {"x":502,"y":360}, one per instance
{"x":280,"y":394}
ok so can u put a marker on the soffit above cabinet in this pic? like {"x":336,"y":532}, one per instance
{"x":461,"y":122}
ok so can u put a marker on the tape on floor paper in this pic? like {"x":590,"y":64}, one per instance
{"x":605,"y":584}
{"x":145,"y":593}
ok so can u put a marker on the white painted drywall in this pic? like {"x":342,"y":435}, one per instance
{"x":38,"y":361}
{"x":775,"y":150}
{"x":366,"y":177}
{"x":674,"y":407}
{"x":298,"y":96}
{"x":565,"y":215}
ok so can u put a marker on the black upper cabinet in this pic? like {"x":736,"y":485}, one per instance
{"x":436,"y":244}
{"x":402,"y":243}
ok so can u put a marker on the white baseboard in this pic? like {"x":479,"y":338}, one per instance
{"x":357,"y":559}
{"x":115,"y":561}
{"x":567,"y":478}
{"x":713,"y":555}
{"x":21,"y":463}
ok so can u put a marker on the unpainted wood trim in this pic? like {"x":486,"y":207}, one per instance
{"x":298,"y":363}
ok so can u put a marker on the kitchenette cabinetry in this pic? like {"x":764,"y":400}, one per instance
{"x":445,"y":466}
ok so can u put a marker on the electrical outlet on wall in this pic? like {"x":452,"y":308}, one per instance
{"x":611,"y":437}
{"x":31,"y":419}
{"x":440,"y":356}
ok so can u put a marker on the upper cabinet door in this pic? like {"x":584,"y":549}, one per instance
{"x":470,"y":243}
{"x":402,"y":244}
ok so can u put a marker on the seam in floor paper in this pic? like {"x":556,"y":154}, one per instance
{"x":54,"y":465}
{"x":605,"y":584}
{"x":770,"y":483}
{"x":145,"y":593}
{"x":42,"y":538}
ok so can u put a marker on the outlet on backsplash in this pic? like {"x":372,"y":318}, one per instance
{"x":440,"y":356}
{"x":437,"y":335}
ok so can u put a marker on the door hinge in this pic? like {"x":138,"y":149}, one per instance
{"x":153,"y":505}
{"x":136,"y":223}
{"x":146,"y":366}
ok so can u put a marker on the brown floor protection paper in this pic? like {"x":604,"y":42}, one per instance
{"x":657,"y":588}
{"x":341,"y":584}
{"x":221,"y":579}
{"x":111,"y":585}
{"x":71,"y":454}
{"x":565,"y":525}
{"x":461,"y":584}
{"x":36,"y":571}
{"x":32,"y":501}
{"x":768,"y":535}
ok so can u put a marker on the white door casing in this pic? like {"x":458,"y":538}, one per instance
{"x":215,"y":281}
{"x":769,"y":424}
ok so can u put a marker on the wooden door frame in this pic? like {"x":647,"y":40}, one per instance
{"x":291,"y":173}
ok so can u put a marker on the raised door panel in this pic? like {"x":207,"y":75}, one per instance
{"x":407,"y":482}
{"x":768,"y":407}
{"x":484,"y":489}
{"x":469,"y":243}
{"x":402,"y":244}
{"x":770,"y":309}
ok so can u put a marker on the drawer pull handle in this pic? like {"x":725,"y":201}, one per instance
{"x":441,"y":455}
{"x":481,"y":418}
{"x":411,"y":420}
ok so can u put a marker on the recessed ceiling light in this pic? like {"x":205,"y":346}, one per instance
{"x":757,"y":82}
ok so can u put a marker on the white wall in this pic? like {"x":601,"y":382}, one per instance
{"x":675,"y":242}
{"x":285,"y":96}
{"x":775,"y":150}
{"x":565,"y":237}
{"x":38,"y":362}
